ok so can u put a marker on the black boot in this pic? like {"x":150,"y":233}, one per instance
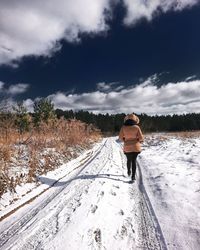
{"x":133,"y":178}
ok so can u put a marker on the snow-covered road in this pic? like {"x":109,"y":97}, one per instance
{"x":93,"y":207}
{"x":89,"y":202}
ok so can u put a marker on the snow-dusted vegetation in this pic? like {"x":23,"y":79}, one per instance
{"x":34,"y":144}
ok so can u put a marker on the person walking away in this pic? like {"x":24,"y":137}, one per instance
{"x":132,"y":137}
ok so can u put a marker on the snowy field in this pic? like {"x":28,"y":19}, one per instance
{"x":171,"y":174}
{"x":89,"y":203}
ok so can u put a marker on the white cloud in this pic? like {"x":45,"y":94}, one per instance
{"x":189,"y":78}
{"x":106,"y":87}
{"x":17,"y":89}
{"x":28,"y":103}
{"x":14,"y":89}
{"x":35,"y":28}
{"x":180,"y":97}
{"x":137,"y":9}
{"x":103,"y":86}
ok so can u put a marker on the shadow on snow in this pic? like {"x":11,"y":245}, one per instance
{"x":57,"y":183}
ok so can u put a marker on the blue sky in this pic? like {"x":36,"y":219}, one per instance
{"x":102,"y":56}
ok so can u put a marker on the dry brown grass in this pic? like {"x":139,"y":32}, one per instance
{"x":40,"y":150}
{"x":186,"y":134}
{"x":182,"y":134}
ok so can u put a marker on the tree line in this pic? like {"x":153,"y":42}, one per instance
{"x":108,"y":123}
{"x":111,"y":123}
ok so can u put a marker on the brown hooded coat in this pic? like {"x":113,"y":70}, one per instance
{"x":132,"y":137}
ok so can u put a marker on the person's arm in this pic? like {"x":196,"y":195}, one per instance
{"x":121,"y":135}
{"x":140,"y":136}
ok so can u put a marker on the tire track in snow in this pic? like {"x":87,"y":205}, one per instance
{"x":150,"y":221}
{"x":14,"y":229}
{"x":82,"y":162}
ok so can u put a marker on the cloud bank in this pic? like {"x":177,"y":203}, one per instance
{"x":146,"y":97}
{"x":172,"y":98}
{"x":35,"y":28}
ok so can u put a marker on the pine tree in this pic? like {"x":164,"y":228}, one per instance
{"x":43,"y":111}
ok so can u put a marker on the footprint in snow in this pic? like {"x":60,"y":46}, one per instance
{"x":113,"y":193}
{"x":100,"y":196}
{"x":121,"y":212}
{"x":102,"y":193}
{"x":94,"y":238}
{"x":86,"y":189}
{"x":93,"y":208}
{"x":123,"y":231}
{"x":126,"y":229}
{"x":97,"y":235}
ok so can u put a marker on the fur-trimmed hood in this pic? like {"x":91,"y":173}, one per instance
{"x":132,"y":117}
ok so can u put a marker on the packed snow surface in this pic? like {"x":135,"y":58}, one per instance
{"x":89,"y":203}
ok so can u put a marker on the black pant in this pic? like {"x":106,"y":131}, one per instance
{"x":131,"y":162}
